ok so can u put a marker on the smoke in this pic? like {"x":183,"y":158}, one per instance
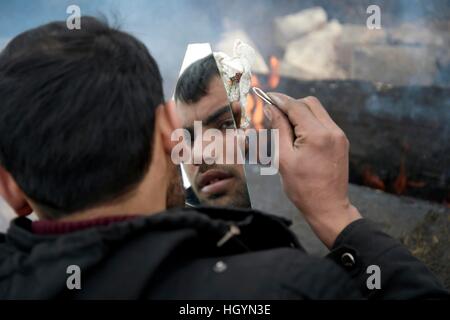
{"x":167,"y":26}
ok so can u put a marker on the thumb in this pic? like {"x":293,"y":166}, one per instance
{"x":24,"y":211}
{"x":280,"y":99}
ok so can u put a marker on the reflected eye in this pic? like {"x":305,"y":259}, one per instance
{"x":189,"y":136}
{"x":237,"y":117}
{"x":227,"y":124}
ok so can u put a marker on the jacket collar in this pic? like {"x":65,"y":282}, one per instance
{"x":255,"y":229}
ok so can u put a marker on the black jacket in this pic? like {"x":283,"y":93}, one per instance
{"x":198,"y":254}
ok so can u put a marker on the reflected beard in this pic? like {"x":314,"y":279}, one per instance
{"x":237,"y":198}
{"x":175,"y":197}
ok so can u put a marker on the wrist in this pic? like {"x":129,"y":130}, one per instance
{"x":328,"y":225}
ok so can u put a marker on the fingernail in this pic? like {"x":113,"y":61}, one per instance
{"x":267,"y":112}
{"x":275,"y":99}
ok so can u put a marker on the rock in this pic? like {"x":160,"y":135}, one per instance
{"x":291,"y":71}
{"x":288,"y":70}
{"x":396,"y":65}
{"x":360,"y":34}
{"x":295,"y":25}
{"x":353,"y":36}
{"x":443,"y":66}
{"x":415,"y":34}
{"x":315,"y":54}
{"x":226,"y":44}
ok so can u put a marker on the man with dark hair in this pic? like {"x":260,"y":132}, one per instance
{"x":73,"y":136}
{"x":85,"y":143}
{"x":200,"y":96}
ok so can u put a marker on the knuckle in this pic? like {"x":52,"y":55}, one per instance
{"x":347,"y":143}
{"x":300,"y":133}
{"x":339,"y":135}
{"x":340,"y":139}
{"x":292,"y":105}
{"x":311,"y":100}
{"x":324,"y":138}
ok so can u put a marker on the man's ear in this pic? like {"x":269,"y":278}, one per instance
{"x":167,"y":120}
{"x":12,"y":194}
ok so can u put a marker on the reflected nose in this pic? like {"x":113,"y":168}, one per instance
{"x":206,"y":151}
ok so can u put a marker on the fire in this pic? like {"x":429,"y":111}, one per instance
{"x":255,"y":106}
{"x":274,"y":78}
{"x":401,"y":182}
{"x":255,"y":81}
{"x":372,"y":180}
{"x":250,"y":104}
{"x":258,"y":115}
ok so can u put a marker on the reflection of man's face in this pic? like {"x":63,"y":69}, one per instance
{"x":216,"y":184}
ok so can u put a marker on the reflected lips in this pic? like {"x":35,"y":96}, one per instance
{"x":214,"y":181}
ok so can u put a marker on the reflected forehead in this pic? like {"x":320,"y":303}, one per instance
{"x":213,"y":102}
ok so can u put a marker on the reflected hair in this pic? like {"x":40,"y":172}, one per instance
{"x":194,"y":82}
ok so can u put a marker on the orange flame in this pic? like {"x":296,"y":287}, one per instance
{"x":255,"y":109}
{"x":372,"y":180}
{"x":250,"y":104}
{"x":255,"y":81}
{"x":401,"y":182}
{"x":255,"y":106}
{"x":258,"y":115}
{"x":274,"y":78}
{"x":416,"y":184}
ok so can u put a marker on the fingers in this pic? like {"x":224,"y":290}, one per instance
{"x":303,"y":120}
{"x":321,"y":114}
{"x":297,"y":111}
{"x":286,"y":135}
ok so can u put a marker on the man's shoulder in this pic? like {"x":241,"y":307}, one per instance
{"x":5,"y":249}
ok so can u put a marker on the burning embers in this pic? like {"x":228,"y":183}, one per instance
{"x":398,"y":186}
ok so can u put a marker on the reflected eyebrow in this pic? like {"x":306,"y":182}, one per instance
{"x":212,"y":118}
{"x":217,"y":114}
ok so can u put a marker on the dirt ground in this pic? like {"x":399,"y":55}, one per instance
{"x":430,"y":242}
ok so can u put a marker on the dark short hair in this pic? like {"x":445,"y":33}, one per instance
{"x":194,"y":82}
{"x":77,"y":112}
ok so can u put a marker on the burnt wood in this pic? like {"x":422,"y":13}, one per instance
{"x":400,"y":136}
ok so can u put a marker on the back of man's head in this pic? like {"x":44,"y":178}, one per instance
{"x":77,"y":112}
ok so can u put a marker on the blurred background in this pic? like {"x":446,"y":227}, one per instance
{"x":388,"y":89}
